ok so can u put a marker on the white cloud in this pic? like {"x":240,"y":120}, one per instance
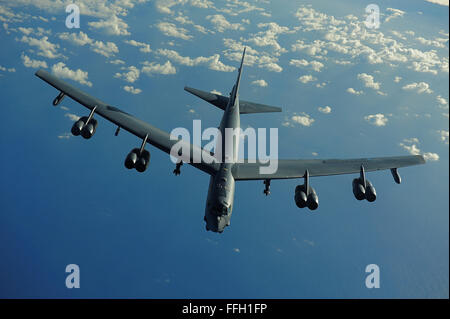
{"x":397,"y":79}
{"x":431,"y":157}
{"x":394,"y":14}
{"x":261,"y":83}
{"x":156,"y":68}
{"x":113,"y":26}
{"x":35,"y":64}
{"x":143,"y":47}
{"x":131,"y":76}
{"x":94,"y":8}
{"x":443,"y":103}
{"x":414,"y":150}
{"x":107,"y":49}
{"x":212,"y":62}
{"x":262,"y":60}
{"x":236,"y":250}
{"x":303,"y":119}
{"x":411,"y":140}
{"x":350,"y":38}
{"x":354,"y":92}
{"x":72,"y":117}
{"x":441,"y":2}
{"x":306,"y":78}
{"x":438,"y":43}
{"x":45,"y":47}
{"x":420,"y":87}
{"x":377,"y":119}
{"x":315,"y":65}
{"x":204,"y":4}
{"x":444,"y":136}
{"x":80,"y":38}
{"x":221,"y":24}
{"x":64,"y":136}
{"x":321,"y":85}
{"x":131,"y":89}
{"x":368,"y":81}
{"x":269,"y":36}
{"x":117,"y":61}
{"x":171,"y":30}
{"x":325,"y":109}
{"x":64,"y":72}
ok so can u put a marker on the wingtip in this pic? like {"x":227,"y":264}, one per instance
{"x":421,"y":159}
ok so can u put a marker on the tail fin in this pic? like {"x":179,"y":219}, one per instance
{"x":238,"y":81}
{"x":221,"y":101}
{"x":245,"y":107}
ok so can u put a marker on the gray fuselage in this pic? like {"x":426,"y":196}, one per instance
{"x":219,"y":203}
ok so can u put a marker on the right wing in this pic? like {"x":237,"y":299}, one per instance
{"x":156,"y":137}
{"x":317,"y":167}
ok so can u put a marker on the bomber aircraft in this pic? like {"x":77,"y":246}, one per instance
{"x":225,"y":172}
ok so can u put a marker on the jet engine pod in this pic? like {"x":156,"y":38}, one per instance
{"x":89,"y":129}
{"x":300,"y":196}
{"x":358,"y":189}
{"x":371,"y":194}
{"x":313,"y":199}
{"x":131,"y":159}
{"x":143,"y":161}
{"x":78,"y":126}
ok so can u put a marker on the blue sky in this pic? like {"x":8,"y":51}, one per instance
{"x":346,"y":91}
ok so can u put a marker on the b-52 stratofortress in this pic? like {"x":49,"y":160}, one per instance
{"x":224,"y":174}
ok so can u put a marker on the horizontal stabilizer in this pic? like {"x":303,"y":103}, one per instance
{"x":245,"y":107}
{"x":215,"y":99}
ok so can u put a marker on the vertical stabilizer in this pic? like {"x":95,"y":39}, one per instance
{"x":235,"y":90}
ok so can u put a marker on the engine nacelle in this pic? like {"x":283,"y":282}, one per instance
{"x":371,"y":194}
{"x":358,"y":189}
{"x":313,"y":199}
{"x":302,"y":200}
{"x":89,"y":129}
{"x":300,"y":196}
{"x":131,"y":159}
{"x":140,"y":162}
{"x":361,"y":193}
{"x":78,"y":125}
{"x":143,"y":161}
{"x":86,"y":130}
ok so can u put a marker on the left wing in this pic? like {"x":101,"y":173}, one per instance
{"x":317,"y":167}
{"x":155,"y":136}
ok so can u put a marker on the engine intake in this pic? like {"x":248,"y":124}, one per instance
{"x":362,"y":192}
{"x":313,"y":199}
{"x":86,"y":130}
{"x":305,"y":195}
{"x":300,"y":196}
{"x":136,"y":159}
